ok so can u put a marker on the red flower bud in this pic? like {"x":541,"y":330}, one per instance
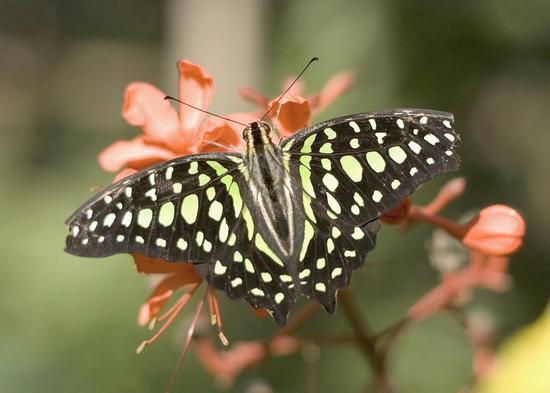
{"x":496,"y":230}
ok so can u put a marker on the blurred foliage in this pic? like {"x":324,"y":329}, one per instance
{"x":69,"y":324}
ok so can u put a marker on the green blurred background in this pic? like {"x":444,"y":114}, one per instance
{"x":69,"y":324}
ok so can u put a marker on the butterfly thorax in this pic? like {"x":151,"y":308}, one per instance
{"x":271,"y":189}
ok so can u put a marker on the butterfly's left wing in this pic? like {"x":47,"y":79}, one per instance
{"x":353,"y":169}
{"x":191,"y":209}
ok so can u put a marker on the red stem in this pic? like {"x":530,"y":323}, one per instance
{"x":417,"y":213}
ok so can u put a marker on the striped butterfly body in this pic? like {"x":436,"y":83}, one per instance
{"x":278,"y":221}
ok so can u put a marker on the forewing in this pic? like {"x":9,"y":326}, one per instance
{"x":362,"y":165}
{"x":171,"y":211}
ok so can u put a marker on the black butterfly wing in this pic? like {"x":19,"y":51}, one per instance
{"x":191,"y":209}
{"x":170,"y":211}
{"x":352,"y":170}
{"x":248,"y":267}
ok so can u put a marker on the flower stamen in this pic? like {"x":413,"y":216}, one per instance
{"x":170,"y":315}
{"x":153,"y":323}
{"x":183,"y":299}
{"x":215,"y":315}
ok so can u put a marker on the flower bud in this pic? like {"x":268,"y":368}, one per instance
{"x":496,"y":230}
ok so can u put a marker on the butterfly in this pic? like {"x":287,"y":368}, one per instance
{"x":280,"y":220}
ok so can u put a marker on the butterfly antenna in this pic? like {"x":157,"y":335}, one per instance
{"x":202,"y":110}
{"x":289,"y":87}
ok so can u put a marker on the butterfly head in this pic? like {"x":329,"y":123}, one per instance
{"x":257,"y":133}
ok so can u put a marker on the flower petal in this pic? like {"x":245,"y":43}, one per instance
{"x":221,"y":135}
{"x":124,"y":173}
{"x":148,"y":265}
{"x":145,"y":106}
{"x":196,"y":87}
{"x":283,"y":345}
{"x":291,"y":114}
{"x":297,"y":89}
{"x":254,"y":96}
{"x":260,"y":312}
{"x":135,"y":153}
{"x":226,"y":366}
{"x":522,"y":362}
{"x":334,"y":88}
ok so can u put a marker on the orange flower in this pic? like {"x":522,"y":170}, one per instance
{"x":168,"y":133}
{"x":177,"y":276}
{"x":294,"y":111}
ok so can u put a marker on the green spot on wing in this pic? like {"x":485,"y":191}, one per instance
{"x":330,"y":133}
{"x":203,"y":179}
{"x":305,"y":175}
{"x":249,"y":222}
{"x":219,"y":168}
{"x":306,"y":147}
{"x":307,"y":207}
{"x":263,"y":247}
{"x":190,"y":208}
{"x":326,"y":148}
{"x":166,"y":214}
{"x":308,"y":235}
{"x":352,"y":167}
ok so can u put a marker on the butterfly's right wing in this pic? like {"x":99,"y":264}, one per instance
{"x":353,"y":169}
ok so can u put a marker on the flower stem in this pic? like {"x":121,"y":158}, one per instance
{"x":368,"y":346}
{"x":418,"y":214}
